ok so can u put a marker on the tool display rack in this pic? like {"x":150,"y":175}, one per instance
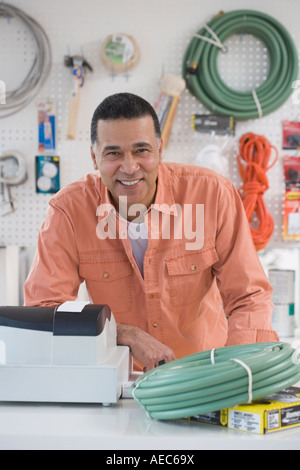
{"x":163,"y":30}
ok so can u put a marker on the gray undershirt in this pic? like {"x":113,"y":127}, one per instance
{"x":138,"y":236}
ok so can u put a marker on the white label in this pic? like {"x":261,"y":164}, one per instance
{"x":273,"y":420}
{"x":293,"y":223}
{"x":72,"y":306}
{"x":119,"y":49}
{"x":243,"y":421}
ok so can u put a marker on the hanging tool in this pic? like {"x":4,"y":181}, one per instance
{"x":171,"y":87}
{"x":78,"y":64}
{"x":12,"y":173}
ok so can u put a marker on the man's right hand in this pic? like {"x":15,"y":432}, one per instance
{"x":144,"y":348}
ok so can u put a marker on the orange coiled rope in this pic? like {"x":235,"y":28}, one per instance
{"x":254,"y":162}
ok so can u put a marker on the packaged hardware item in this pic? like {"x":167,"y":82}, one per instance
{"x":46,"y":124}
{"x":47,"y":174}
{"x":291,"y":219}
{"x":120,"y":52}
{"x":290,"y":135}
{"x":275,"y":412}
{"x":171,"y":87}
{"x":213,"y":124}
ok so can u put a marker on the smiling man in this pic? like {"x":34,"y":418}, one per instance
{"x":128,"y":163}
{"x":125,"y":229}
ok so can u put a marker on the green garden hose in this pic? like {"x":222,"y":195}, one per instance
{"x":202,"y":77}
{"x":217,"y":379}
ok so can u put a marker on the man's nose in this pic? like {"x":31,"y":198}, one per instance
{"x":129,"y":164}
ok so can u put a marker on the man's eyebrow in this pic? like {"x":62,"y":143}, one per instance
{"x":142,"y":144}
{"x":110,"y":147}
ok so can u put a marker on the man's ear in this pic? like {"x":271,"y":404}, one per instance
{"x":94,"y":158}
{"x":161,"y":149}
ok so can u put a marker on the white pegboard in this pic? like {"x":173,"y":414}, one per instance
{"x":163,"y":30}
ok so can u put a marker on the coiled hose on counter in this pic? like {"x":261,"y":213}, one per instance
{"x":217,"y":379}
{"x":201,"y":73}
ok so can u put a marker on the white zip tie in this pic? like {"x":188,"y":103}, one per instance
{"x":296,"y":355}
{"x":259,"y":109}
{"x":137,"y":386}
{"x":212,"y":356}
{"x":250,"y":378}
{"x":215,"y":42}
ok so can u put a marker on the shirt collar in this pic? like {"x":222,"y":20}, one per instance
{"x":164,"y":199}
{"x":105,"y":203}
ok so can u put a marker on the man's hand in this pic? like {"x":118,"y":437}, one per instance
{"x":144,"y":348}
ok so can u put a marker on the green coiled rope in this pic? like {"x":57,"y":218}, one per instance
{"x":203,"y":80}
{"x":202,"y":383}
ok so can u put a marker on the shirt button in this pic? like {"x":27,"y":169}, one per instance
{"x":105,"y":275}
{"x":193,"y":267}
{"x":155,"y":325}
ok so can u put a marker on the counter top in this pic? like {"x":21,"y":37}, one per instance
{"x":122,"y":426}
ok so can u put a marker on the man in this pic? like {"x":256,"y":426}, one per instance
{"x":171,"y":295}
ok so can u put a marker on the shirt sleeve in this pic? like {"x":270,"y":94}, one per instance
{"x":54,"y":275}
{"x":243,"y":284}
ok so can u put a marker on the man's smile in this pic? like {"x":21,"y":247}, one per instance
{"x":130,"y":183}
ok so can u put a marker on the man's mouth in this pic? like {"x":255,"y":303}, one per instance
{"x":129,"y":183}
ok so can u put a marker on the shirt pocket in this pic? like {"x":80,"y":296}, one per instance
{"x":109,"y":282}
{"x":190,"y":276}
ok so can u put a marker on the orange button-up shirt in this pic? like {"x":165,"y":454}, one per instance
{"x":213,"y":295}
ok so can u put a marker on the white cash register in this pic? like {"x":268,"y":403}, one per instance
{"x":66,"y":354}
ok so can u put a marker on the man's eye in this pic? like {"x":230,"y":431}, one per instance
{"x":142,"y":150}
{"x":113,"y":154}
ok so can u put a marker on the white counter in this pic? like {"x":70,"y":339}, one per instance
{"x":123,"y":426}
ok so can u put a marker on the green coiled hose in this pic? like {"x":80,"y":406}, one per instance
{"x":197,"y":384}
{"x":203,"y":80}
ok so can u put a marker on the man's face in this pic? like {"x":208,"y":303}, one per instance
{"x":127,"y":155}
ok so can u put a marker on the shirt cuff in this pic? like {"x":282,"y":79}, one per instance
{"x":251,"y":335}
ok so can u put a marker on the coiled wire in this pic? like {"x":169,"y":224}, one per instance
{"x":254,"y":161}
{"x":201,"y":73}
{"x":197,"y":384}
{"x":40,"y":68}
